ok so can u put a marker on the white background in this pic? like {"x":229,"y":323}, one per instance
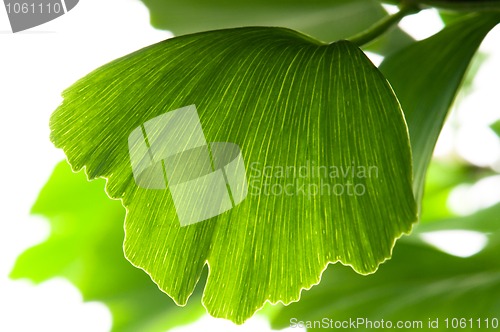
{"x":36,"y":65}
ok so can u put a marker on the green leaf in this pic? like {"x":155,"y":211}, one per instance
{"x":457,"y":5}
{"x":417,"y":284}
{"x":450,"y":17}
{"x":464,"y":5}
{"x":496,"y":127}
{"x":288,"y":102}
{"x":443,"y":176}
{"x":327,"y":20}
{"x":484,"y":221}
{"x":85,"y":246}
{"x":426,"y":77}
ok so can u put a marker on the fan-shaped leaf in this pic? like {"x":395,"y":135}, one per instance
{"x":316,"y":124}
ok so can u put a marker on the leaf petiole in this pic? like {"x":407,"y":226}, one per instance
{"x":383,"y":25}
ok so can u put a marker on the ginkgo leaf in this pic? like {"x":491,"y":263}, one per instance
{"x":427,"y":87}
{"x":325,"y":149}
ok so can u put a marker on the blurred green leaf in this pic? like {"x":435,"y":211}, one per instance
{"x":426,"y":77}
{"x":477,"y":61}
{"x":464,"y":5}
{"x":443,"y":176}
{"x":285,"y":100}
{"x":450,"y":17}
{"x":417,"y":284}
{"x":327,"y":20}
{"x":496,"y":127}
{"x":485,"y":221}
{"x":85,"y":246}
{"x":456,"y":5}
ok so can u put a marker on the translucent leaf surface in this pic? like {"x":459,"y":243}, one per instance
{"x":289,"y":103}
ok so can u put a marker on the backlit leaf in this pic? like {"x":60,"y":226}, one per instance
{"x":289,"y":103}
